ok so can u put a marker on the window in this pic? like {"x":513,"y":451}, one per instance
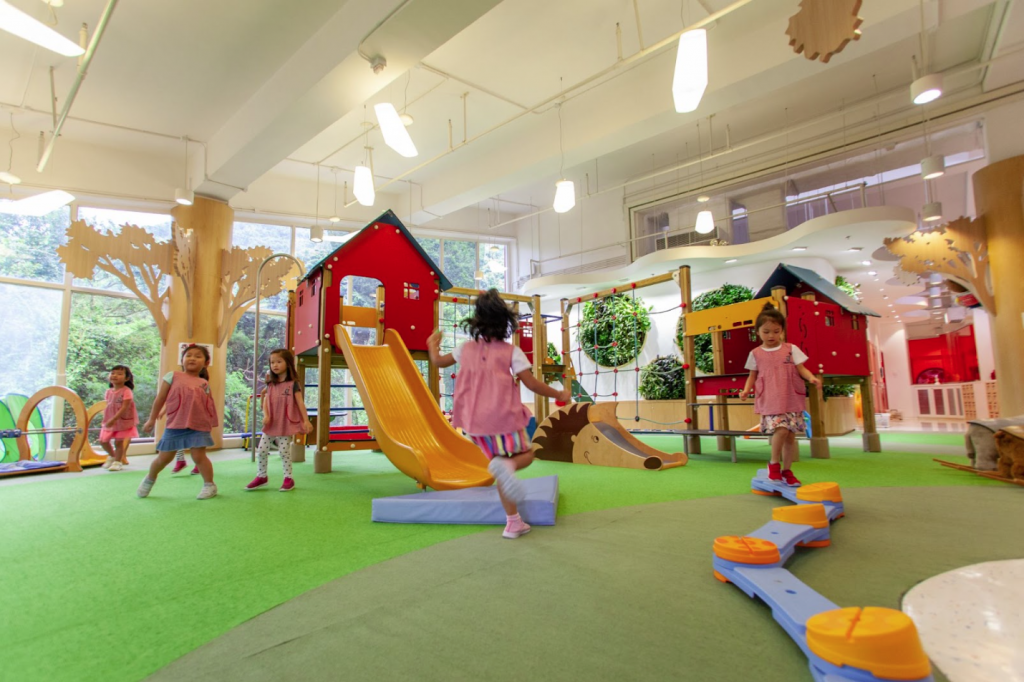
{"x":460,"y":263}
{"x":311,"y":252}
{"x":31,"y":324}
{"x":493,"y":265}
{"x":432,"y":248}
{"x":107,"y":331}
{"x":111,"y":221}
{"x":28,"y":245}
{"x":240,"y":369}
{"x":830,"y":318}
{"x":411,"y":290}
{"x":362,"y":292}
{"x":277,"y":238}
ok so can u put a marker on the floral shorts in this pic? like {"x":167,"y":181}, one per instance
{"x":503,"y":445}
{"x":791,"y":421}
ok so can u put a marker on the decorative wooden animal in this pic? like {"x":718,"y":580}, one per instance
{"x":1010,"y":443}
{"x":823,"y":28}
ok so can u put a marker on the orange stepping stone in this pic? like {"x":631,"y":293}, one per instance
{"x":819,"y":492}
{"x":746,"y":550}
{"x":882,"y":641}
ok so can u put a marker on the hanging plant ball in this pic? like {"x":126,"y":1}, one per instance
{"x":613,"y":329}
{"x":727,"y":294}
{"x":553,"y":354}
{"x":663,"y":379}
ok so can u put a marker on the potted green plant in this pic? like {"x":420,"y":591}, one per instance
{"x":613,"y":329}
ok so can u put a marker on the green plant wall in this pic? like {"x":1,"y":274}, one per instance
{"x":727,"y":294}
{"x":663,"y":379}
{"x":617,"y":325}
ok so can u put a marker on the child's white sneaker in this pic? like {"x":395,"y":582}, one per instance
{"x":115,"y":466}
{"x":209,"y":490}
{"x":145,"y":487}
{"x":504,"y":475}
{"x":110,"y":460}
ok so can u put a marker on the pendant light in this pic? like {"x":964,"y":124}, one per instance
{"x":926,"y":88}
{"x":362,"y":186}
{"x":705,"y":220}
{"x":316,"y":233}
{"x":335,"y":218}
{"x":185,"y":196}
{"x":7,"y":176}
{"x":691,"y":74}
{"x":933,"y":167}
{"x":395,"y":134}
{"x":932,"y":212}
{"x":565,"y":190}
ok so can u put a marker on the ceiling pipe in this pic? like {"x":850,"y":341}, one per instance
{"x":83,"y":69}
{"x":641,"y":54}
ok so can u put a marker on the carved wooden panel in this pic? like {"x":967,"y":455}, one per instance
{"x":823,"y":28}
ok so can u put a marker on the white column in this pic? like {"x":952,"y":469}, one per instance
{"x":983,"y":342}
{"x":892,"y":338}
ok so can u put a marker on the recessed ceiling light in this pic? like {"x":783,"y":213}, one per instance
{"x":885,"y":297}
{"x":890,"y":305}
{"x":872,"y":273}
{"x":731,"y":260}
{"x":865,"y":262}
{"x":799,"y":248}
{"x":854,"y":249}
{"x":703,"y":198}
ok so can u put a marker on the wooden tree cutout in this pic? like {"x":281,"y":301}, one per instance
{"x":185,"y":266}
{"x":958,"y":251}
{"x":239,"y":268}
{"x":134,"y":257}
{"x":823,"y":28}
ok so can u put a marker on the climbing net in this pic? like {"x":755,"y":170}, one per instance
{"x":614,"y":371}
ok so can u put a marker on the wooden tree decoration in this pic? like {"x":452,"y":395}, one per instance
{"x":134,"y":257}
{"x":958,"y":251}
{"x":239,"y":268}
{"x":185,"y":266}
{"x":823,"y":28}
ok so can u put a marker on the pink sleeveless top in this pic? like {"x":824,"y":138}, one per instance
{"x":285,"y":418}
{"x":189,"y":404}
{"x":115,"y":398}
{"x":487,"y":400}
{"x":780,"y":388}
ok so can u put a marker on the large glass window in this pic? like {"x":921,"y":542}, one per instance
{"x":240,"y":369}
{"x":107,"y":331}
{"x":28,"y":245}
{"x":312,"y":252}
{"x":277,"y":238}
{"x":31,"y":329}
{"x":493,"y":264}
{"x":111,"y":221}
{"x":432,"y":247}
{"x":460,"y":263}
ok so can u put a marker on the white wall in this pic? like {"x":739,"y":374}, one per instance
{"x":891,"y":340}
{"x":983,"y":341}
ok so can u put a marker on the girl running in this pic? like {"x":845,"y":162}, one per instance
{"x":284,"y":416}
{"x":120,"y":419}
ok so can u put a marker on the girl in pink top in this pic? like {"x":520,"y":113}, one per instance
{"x":191,"y":415}
{"x":487,"y":405}
{"x":284,"y":417}
{"x":119,"y":417}
{"x":777,"y":376}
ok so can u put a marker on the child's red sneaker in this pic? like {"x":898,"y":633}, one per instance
{"x":178,"y":466}
{"x":775,"y":472}
{"x":257,"y":482}
{"x":288,"y":484}
{"x":790,"y":479}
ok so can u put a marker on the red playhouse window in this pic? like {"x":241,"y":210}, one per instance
{"x":753,"y":335}
{"x":830,"y":318}
{"x":412,"y":291}
{"x":726,"y":335}
{"x":526,"y":331}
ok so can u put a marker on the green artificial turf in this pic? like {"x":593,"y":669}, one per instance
{"x":923,"y":438}
{"x":104,"y":586}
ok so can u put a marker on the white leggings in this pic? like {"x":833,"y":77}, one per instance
{"x":284,"y":448}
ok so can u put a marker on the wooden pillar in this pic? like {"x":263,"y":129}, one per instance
{"x":997,"y":198}
{"x":718,"y":360}
{"x":689,"y":362}
{"x":322,"y":458}
{"x":540,"y":403}
{"x":872,"y":443}
{"x":299,"y":444}
{"x":816,"y":404}
{"x":211,"y":222}
{"x":779,"y":296}
{"x":380,"y":316}
{"x":433,"y":371}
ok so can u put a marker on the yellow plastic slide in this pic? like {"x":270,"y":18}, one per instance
{"x":405,"y":419}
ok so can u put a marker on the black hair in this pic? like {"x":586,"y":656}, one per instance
{"x":770,"y":314}
{"x":203,"y":374}
{"x":129,"y":378}
{"x":492,"y":319}
{"x":289,"y":361}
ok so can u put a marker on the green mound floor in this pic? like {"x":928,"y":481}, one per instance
{"x":104,"y":586}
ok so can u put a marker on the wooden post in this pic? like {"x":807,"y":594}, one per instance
{"x":380,"y":316}
{"x":779,"y":296}
{"x":322,"y":458}
{"x":718,"y":360}
{"x":540,"y":403}
{"x":689,"y":362}
{"x":819,"y":443}
{"x":299,"y":444}
{"x":872,"y":442}
{"x":433,"y":371}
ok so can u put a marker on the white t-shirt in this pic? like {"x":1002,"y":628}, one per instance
{"x":519,"y":361}
{"x":799,"y":357}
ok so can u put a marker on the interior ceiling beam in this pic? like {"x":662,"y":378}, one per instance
{"x":326,"y":79}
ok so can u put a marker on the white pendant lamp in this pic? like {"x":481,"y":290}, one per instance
{"x":932,"y":167}
{"x":932,"y":211}
{"x":335,"y":218}
{"x":705,"y":222}
{"x":22,"y":25}
{"x":926,"y":89}
{"x":565,"y":196}
{"x":691,"y":75}
{"x":316,"y":234}
{"x":39,"y":204}
{"x":362,"y":186}
{"x":10,"y":178}
{"x":395,"y":134}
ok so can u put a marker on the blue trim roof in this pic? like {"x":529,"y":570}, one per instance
{"x":789,"y":276}
{"x":388,"y":218}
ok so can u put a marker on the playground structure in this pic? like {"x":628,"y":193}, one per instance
{"x":870,"y":644}
{"x":828,"y":325}
{"x":27,"y":434}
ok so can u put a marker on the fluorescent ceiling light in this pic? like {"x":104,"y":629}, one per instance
{"x":926,"y":88}
{"x":705,"y":223}
{"x":933,"y":167}
{"x":362,"y":186}
{"x":38,"y":205}
{"x":565,"y":196}
{"x":395,"y":134}
{"x":932,"y":211}
{"x":9,"y":178}
{"x":22,"y":25}
{"x":691,"y":75}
